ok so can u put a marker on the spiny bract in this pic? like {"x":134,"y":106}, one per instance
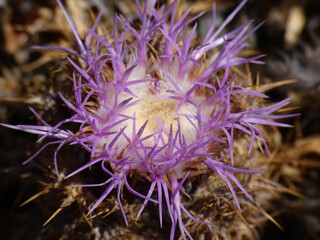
{"x":149,"y":100}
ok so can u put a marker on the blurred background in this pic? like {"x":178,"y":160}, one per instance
{"x":290,"y":37}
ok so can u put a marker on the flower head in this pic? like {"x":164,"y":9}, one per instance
{"x":149,"y":100}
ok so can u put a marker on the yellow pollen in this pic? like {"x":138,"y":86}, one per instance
{"x":161,"y":110}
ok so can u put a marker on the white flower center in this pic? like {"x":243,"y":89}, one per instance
{"x":162,"y":112}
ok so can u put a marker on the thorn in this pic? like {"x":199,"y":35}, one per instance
{"x":268,"y":216}
{"x":44,"y":191}
{"x":88,"y":221}
{"x":52,"y":216}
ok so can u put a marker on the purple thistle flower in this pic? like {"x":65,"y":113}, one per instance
{"x":150,"y":106}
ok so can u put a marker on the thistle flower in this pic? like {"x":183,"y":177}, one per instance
{"x":148,"y":100}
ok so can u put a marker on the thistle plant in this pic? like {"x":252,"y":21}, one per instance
{"x":154,"y":101}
